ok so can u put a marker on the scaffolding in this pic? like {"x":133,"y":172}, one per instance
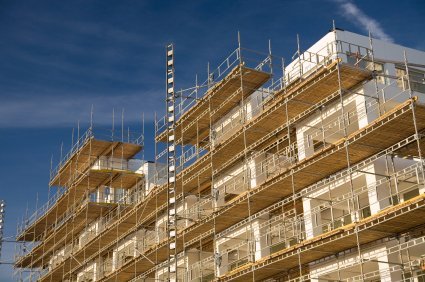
{"x":97,"y":177}
{"x":263,"y":172}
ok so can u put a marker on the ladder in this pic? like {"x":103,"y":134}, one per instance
{"x":171,"y":164}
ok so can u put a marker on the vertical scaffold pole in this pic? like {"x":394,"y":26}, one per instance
{"x":171,"y":164}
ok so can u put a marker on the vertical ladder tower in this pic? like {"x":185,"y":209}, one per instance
{"x":171,"y":164}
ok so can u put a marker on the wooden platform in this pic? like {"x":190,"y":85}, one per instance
{"x":290,"y":106}
{"x":387,"y":222}
{"x":88,"y":154}
{"x":194,"y":124}
{"x":293,"y":105}
{"x":141,"y":213}
{"x":412,"y":150}
{"x":76,"y":222}
{"x":140,"y":264}
{"x":377,"y":136}
{"x":97,"y":243}
{"x":82,"y":186}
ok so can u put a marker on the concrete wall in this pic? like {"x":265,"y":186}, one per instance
{"x":233,"y":120}
{"x":88,"y":273}
{"x":91,"y":230}
{"x":235,"y":244}
{"x":309,"y":131}
{"x":155,"y":174}
{"x":104,"y":162}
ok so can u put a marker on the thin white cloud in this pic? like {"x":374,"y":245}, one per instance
{"x":66,"y":110}
{"x":355,"y":15}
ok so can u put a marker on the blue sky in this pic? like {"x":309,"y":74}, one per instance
{"x":58,"y":58}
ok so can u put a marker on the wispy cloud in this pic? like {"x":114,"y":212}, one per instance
{"x":355,"y":15}
{"x":66,"y":110}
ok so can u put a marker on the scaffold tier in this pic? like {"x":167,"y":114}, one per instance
{"x":389,"y":129}
{"x":397,"y":219}
{"x":387,"y":222}
{"x":84,"y":184}
{"x":86,"y":154}
{"x":64,"y":232}
{"x":193,"y":126}
{"x":315,"y":90}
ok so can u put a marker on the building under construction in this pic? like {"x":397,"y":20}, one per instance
{"x":266,"y":171}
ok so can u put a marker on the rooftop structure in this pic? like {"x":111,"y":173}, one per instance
{"x":312,"y":170}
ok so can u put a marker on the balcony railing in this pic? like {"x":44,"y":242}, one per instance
{"x":203,"y":270}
